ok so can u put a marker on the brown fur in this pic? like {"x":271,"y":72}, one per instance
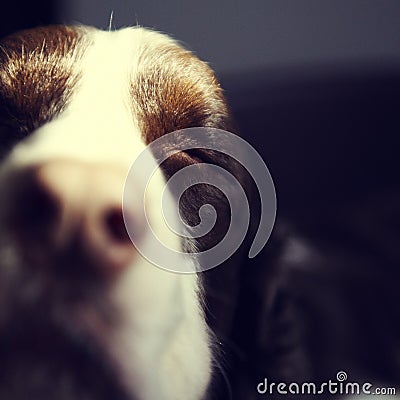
{"x":174,"y":90}
{"x":37,"y":74}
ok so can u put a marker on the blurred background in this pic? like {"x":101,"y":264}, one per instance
{"x":315,"y":88}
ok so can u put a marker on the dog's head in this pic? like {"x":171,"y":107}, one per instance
{"x":82,"y":314}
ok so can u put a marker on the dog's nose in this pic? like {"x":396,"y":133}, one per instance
{"x":63,"y":205}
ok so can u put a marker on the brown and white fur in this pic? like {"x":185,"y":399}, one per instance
{"x":82,"y":315}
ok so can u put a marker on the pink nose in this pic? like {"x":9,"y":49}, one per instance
{"x":67,"y":206}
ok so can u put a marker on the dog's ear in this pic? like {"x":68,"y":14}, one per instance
{"x":37,"y":74}
{"x":172,"y":90}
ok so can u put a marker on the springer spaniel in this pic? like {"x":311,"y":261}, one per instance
{"x":82,"y":314}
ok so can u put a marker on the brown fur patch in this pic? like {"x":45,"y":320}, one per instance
{"x":173,"y":90}
{"x":37,"y":74}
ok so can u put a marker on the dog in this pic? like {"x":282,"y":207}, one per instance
{"x":83,"y":315}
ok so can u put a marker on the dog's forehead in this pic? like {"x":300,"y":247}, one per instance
{"x":45,"y":71}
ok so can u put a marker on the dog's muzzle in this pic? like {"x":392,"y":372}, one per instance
{"x":69,"y":209}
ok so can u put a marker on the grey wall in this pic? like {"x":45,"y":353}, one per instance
{"x":243,"y":35}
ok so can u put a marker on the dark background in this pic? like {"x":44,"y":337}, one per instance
{"x":315,"y":88}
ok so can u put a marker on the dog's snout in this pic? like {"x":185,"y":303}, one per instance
{"x":71,"y":209}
